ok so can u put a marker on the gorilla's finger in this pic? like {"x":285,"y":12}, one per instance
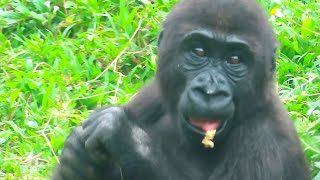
{"x":95,"y":146}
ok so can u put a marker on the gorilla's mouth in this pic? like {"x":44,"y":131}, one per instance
{"x":205,"y":124}
{"x":202,"y":125}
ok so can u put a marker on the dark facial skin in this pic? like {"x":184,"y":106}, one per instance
{"x":213,"y":65}
{"x":215,"y":72}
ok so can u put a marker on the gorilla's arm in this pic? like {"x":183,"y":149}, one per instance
{"x":112,"y":144}
{"x":147,"y":106}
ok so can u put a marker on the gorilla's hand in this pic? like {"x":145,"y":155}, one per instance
{"x":104,"y":132}
{"x":75,"y":162}
{"x":107,"y":134}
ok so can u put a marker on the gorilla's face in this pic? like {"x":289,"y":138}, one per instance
{"x":213,"y":64}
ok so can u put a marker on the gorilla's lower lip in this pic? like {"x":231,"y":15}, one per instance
{"x":205,"y":124}
{"x":220,"y":126}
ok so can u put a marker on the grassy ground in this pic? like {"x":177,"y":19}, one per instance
{"x":59,"y":60}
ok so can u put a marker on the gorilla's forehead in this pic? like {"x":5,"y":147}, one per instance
{"x":229,"y":16}
{"x":242,"y":18}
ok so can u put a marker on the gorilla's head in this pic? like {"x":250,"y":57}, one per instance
{"x":216,"y":63}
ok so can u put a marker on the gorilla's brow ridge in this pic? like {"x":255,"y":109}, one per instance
{"x":220,"y":37}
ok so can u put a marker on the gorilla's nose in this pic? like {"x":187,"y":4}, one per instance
{"x":210,"y":85}
{"x":209,"y":95}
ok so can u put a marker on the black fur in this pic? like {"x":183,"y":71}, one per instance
{"x":152,"y":137}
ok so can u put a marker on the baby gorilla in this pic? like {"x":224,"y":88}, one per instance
{"x":215,"y":74}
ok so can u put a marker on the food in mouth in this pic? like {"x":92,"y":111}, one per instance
{"x":208,"y":139}
{"x":209,"y":126}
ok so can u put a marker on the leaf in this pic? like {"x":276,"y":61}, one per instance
{"x":69,"y":4}
{"x":317,"y":177}
{"x":22,"y":9}
{"x":313,"y":106}
{"x":39,"y":4}
{"x":36,"y":16}
{"x":308,"y":25}
{"x":32,"y":124}
{"x":32,"y":84}
{"x":14,"y":94}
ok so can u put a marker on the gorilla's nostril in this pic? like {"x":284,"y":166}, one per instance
{"x":221,"y":81}
{"x":201,"y":79}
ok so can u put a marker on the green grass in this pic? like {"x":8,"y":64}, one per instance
{"x":56,"y":66}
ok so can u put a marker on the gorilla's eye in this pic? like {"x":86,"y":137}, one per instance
{"x":199,"y":52}
{"x":233,"y":60}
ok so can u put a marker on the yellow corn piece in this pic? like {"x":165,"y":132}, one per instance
{"x":207,"y":140}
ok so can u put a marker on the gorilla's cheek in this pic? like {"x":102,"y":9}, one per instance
{"x":207,"y":104}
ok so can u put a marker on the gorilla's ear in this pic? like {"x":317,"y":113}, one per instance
{"x":160,"y":37}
